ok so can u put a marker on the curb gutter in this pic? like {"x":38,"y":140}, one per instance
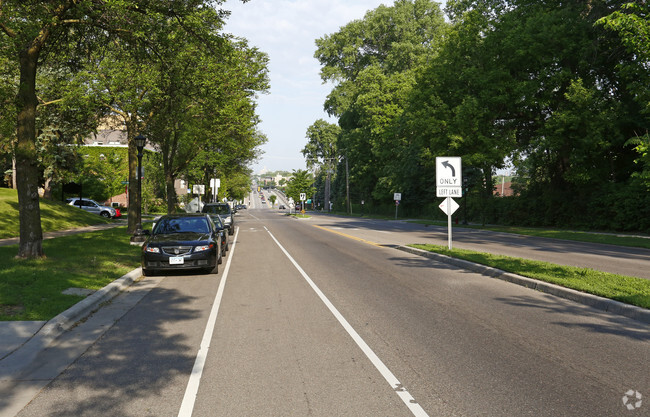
{"x":23,"y":356}
{"x":600,"y":303}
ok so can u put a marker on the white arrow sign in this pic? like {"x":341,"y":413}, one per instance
{"x":449,"y":171}
{"x":448,"y":206}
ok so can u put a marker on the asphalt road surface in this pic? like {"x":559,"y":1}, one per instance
{"x":321,"y":317}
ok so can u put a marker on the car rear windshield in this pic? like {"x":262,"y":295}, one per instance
{"x":220,"y":209}
{"x":181,"y":225}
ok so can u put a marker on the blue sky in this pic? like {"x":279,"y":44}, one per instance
{"x":286,"y":30}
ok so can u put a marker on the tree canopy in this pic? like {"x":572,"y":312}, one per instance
{"x":71,"y":62}
{"x":558,"y":90}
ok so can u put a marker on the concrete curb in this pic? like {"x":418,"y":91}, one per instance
{"x":600,"y":303}
{"x":22,"y":357}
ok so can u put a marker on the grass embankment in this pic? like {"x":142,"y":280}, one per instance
{"x":55,"y":215}
{"x":630,"y":290}
{"x":32,"y":289}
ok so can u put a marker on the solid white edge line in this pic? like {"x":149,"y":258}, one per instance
{"x":395,"y":384}
{"x":187,"y":406}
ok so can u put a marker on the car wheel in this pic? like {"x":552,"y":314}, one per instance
{"x":214,"y":270}
{"x":220,"y":260}
{"x":105,"y":214}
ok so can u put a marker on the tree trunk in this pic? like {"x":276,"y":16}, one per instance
{"x":134,"y":199}
{"x":171,"y":193}
{"x":27,"y":172}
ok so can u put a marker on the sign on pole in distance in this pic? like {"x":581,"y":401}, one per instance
{"x":303,"y":196}
{"x":397,"y":196}
{"x":198,"y":189}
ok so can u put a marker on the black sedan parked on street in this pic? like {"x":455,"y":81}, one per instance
{"x":183,"y":241}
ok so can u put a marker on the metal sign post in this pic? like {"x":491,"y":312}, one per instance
{"x":397,"y":197}
{"x":449,"y":206}
{"x":303,"y":197}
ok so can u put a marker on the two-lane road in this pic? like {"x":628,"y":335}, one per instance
{"x":328,"y":321}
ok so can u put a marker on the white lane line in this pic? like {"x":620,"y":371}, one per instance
{"x":187,"y":406}
{"x":402,"y":392}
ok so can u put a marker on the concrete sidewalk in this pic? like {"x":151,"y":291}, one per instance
{"x":21,"y":342}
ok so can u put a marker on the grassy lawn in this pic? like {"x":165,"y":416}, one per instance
{"x":630,"y":290}
{"x":606,"y":238}
{"x":55,"y":215}
{"x":31,"y":289}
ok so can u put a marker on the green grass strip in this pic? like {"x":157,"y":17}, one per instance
{"x":578,"y":236}
{"x":626,"y":289}
{"x":31,"y":289}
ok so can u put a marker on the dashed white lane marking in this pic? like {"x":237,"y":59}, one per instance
{"x":395,"y":384}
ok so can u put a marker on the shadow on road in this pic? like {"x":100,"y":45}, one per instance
{"x":137,"y":358}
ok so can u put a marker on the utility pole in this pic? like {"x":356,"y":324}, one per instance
{"x":347,"y":186}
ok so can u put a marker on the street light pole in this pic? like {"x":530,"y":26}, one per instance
{"x":138,"y":236}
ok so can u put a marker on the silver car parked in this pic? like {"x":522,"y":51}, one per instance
{"x":93,"y":207}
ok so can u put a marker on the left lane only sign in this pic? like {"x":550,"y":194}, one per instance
{"x":449,"y":176}
{"x":448,"y":171}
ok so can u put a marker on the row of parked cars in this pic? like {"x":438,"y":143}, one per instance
{"x":180,"y":241}
{"x":190,"y":241}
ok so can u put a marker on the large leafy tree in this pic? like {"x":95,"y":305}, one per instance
{"x":632,"y":23}
{"x":321,"y":150}
{"x":373,"y":62}
{"x":43,"y":32}
{"x":541,"y":83}
{"x":300,"y":182}
{"x":219,"y":100}
{"x":321,"y":146}
{"x":51,"y":34}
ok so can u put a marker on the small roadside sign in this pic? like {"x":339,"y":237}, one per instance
{"x":449,"y":206}
{"x":303,"y":196}
{"x":397,"y":196}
